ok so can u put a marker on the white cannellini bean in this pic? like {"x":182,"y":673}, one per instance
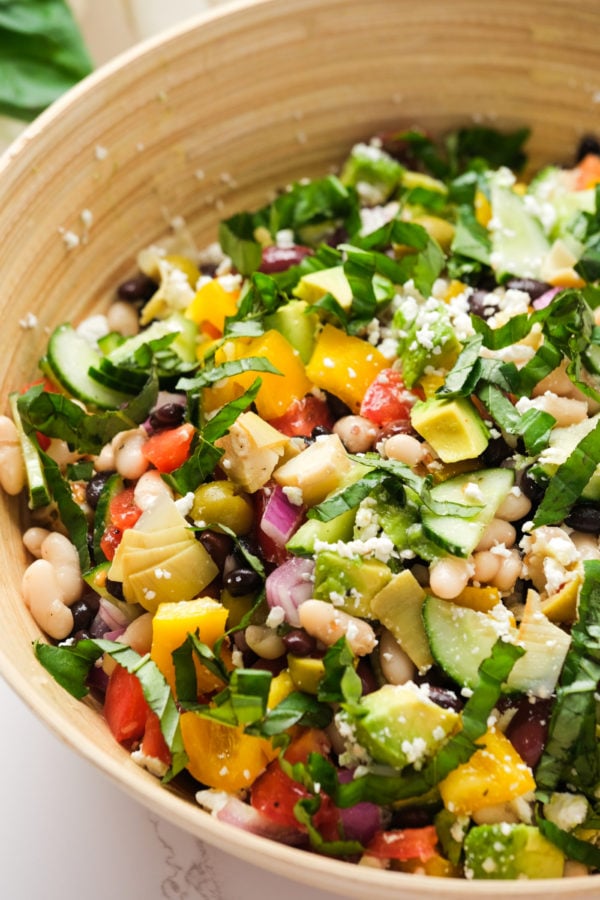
{"x":59,"y":451}
{"x":486,"y":566}
{"x":510,"y":570}
{"x":587,"y":544}
{"x":130,"y":462}
{"x":264,"y":641}
{"x":12,"y":466}
{"x":33,"y":539}
{"x":493,"y":815}
{"x":497,"y":532}
{"x":449,"y":576}
{"x":405,"y":448}
{"x":105,"y":461}
{"x":515,"y":506}
{"x":150,"y":486}
{"x":138,"y":634}
{"x":123,"y":317}
{"x":43,"y":596}
{"x":62,"y":556}
{"x":328,"y":624}
{"x":396,"y":666}
{"x":356,"y":433}
{"x":574,"y":869}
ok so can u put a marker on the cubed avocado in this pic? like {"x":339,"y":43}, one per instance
{"x":302,"y":542}
{"x":454,"y":428}
{"x":315,"y":285}
{"x":426,"y":339}
{"x":296,"y":325}
{"x":349,"y":582}
{"x":511,"y":851}
{"x":402,"y":726}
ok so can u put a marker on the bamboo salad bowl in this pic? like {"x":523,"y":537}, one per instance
{"x":206,"y":120}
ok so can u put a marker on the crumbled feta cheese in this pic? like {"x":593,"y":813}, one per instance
{"x":184,"y":504}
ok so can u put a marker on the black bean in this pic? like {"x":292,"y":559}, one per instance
{"x":319,"y":431}
{"x":483,"y":304}
{"x":217,"y":545}
{"x":588,"y":144}
{"x":337,"y":407}
{"x":139,"y":288}
{"x":299,"y":642}
{"x":584,"y":517}
{"x":398,"y":426}
{"x":497,"y":452}
{"x":530,"y":286}
{"x":533,"y":488}
{"x":242,"y":581}
{"x":115,"y":589}
{"x":169,"y":415}
{"x":280,"y":259}
{"x":94,"y":488}
{"x":411,"y":817}
{"x":83,"y":612}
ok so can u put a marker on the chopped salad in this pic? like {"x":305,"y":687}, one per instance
{"x":315,"y":511}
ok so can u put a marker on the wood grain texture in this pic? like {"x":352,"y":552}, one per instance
{"x":209,"y":120}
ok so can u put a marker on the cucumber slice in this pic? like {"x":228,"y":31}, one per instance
{"x":486,"y":488}
{"x":39,"y":495}
{"x":116,"y":378}
{"x":519,"y":245}
{"x":461,"y":638}
{"x":69,"y":359}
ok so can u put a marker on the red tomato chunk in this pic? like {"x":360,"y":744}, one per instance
{"x":169,"y":449}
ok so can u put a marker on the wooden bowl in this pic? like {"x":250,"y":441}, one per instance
{"x":208,"y":120}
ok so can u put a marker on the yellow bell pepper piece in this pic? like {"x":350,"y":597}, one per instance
{"x":495,"y":774}
{"x":481,"y":599}
{"x":483,"y":209}
{"x":170,"y":627}
{"x":277,"y":392}
{"x":211,"y":306}
{"x":562,"y":606}
{"x":429,"y":383}
{"x":221,"y":756}
{"x":344,"y":365}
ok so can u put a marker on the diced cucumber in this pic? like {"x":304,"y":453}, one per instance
{"x":302,"y":543}
{"x":184,"y":344}
{"x":69,"y":358}
{"x":486,"y":488}
{"x":39,"y":494}
{"x":519,"y":245}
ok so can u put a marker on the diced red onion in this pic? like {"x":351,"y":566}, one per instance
{"x":242,"y":815}
{"x":280,"y":517}
{"x":290,"y":585}
{"x":546,"y":298}
{"x":363,"y":820}
{"x":111,"y":615}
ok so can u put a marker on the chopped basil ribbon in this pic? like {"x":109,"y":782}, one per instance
{"x":569,"y":480}
{"x":58,"y":417}
{"x":70,"y":666}
{"x":243,"y":701}
{"x":384,"y":785}
{"x":534,"y":426}
{"x":71,"y":514}
{"x":234,"y":367}
{"x":572,"y":754}
{"x":380,"y":469}
{"x":572,"y":846}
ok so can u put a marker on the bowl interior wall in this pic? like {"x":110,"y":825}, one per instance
{"x":207,"y":121}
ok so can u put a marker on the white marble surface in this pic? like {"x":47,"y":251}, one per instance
{"x":67,"y":833}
